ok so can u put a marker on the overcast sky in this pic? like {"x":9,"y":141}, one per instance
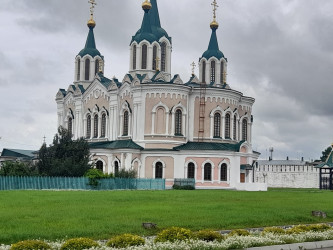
{"x":279,"y":52}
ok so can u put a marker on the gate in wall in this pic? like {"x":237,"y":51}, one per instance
{"x":326,"y":178}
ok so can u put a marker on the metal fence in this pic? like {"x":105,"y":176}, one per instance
{"x":77,"y":183}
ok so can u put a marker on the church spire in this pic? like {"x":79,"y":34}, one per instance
{"x":213,"y":47}
{"x":90,"y":47}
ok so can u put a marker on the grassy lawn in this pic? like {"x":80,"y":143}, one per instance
{"x":55,"y":215}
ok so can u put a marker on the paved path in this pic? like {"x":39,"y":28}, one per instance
{"x":327,"y":244}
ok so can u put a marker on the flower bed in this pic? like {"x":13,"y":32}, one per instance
{"x":268,"y":237}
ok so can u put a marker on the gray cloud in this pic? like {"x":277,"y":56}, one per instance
{"x":280,"y":52}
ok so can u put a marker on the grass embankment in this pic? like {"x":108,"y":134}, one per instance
{"x":65,"y":214}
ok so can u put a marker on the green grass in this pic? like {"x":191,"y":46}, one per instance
{"x":53,"y":215}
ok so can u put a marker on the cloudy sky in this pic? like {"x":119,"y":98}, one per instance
{"x":280,"y":52}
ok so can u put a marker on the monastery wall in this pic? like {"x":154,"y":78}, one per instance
{"x":288,"y":176}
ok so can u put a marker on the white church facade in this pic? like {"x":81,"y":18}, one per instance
{"x":157,"y":123}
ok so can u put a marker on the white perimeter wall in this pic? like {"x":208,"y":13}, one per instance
{"x":288,"y":176}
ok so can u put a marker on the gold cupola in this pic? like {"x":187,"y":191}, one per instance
{"x":146,"y":5}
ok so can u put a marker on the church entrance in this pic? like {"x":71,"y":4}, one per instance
{"x":242,"y":177}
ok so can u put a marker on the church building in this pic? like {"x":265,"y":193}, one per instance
{"x":157,"y":123}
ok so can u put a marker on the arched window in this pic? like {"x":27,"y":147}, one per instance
{"x":134,"y":57}
{"x":70,"y":125}
{"x":217,"y":125}
{"x":208,"y":172}
{"x":222,"y":73}
{"x":204,"y":71}
{"x":244,"y":130}
{"x":78,"y":69}
{"x":224,"y":171}
{"x":155,"y":66}
{"x":88,"y":126}
{"x":190,"y":170}
{"x":235,"y":127}
{"x":159,"y":170}
{"x":96,"y":66}
{"x":163,"y":56}
{"x":227,"y":126}
{"x":144,"y":56}
{"x":178,"y":122}
{"x":87,"y":70}
{"x":103,"y":127}
{"x":99,"y":165}
{"x":116,"y":167}
{"x":212,"y":71}
{"x":95,"y":126}
{"x":125,"y":124}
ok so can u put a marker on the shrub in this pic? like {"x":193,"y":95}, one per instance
{"x":208,"y":235}
{"x":239,"y":232}
{"x":94,"y":175}
{"x":186,"y":187}
{"x":274,"y":230}
{"x":30,"y":245}
{"x":125,"y":240}
{"x":304,"y":228}
{"x":126,"y":174}
{"x":319,"y":227}
{"x":174,"y":234}
{"x":79,"y":244}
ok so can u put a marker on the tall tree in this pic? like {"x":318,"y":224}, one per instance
{"x":325,"y":153}
{"x":13,"y":168}
{"x":65,"y":157}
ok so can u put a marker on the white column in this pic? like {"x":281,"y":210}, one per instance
{"x":232,"y":127}
{"x":167,"y":114}
{"x":183,"y":124}
{"x":153,"y":123}
{"x":150,"y":57}
{"x":173,"y":124}
{"x":223,"y":127}
{"x":211,"y":126}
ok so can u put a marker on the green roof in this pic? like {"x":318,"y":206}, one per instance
{"x":90,"y":47}
{"x":151,"y":29}
{"x":213,"y":48}
{"x":18,"y":153}
{"x":210,"y":146}
{"x":328,"y":163}
{"x":119,"y":144}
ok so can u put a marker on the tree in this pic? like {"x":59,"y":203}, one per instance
{"x":325,"y":153}
{"x":65,"y":157}
{"x":13,"y":168}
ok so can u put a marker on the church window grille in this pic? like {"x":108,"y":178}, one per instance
{"x":78,"y":70}
{"x":212,"y":71}
{"x":222,"y":73}
{"x":217,"y":125}
{"x":96,"y":66}
{"x":103,"y":127}
{"x":134,"y":57}
{"x":99,"y":165}
{"x":116,"y":167}
{"x":244,"y":130}
{"x":144,"y":56}
{"x":88,"y":135}
{"x":163,"y":56}
{"x":224,"y":169}
{"x":87,"y":70}
{"x":158,"y":170}
{"x":227,"y":126}
{"x":208,"y":172}
{"x":178,"y":122}
{"x":190,"y":170}
{"x":95,"y":126}
{"x":155,"y":66}
{"x":70,"y":125}
{"x":125,"y":124}
{"x":235,"y":127}
{"x":204,"y":71}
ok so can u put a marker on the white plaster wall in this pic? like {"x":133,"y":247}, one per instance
{"x":288,"y":179}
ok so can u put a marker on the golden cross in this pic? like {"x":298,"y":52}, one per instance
{"x":193,"y":68}
{"x":93,"y":3}
{"x":157,"y":63}
{"x":215,"y":6}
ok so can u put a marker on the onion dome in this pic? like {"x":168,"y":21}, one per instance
{"x":213,"y":47}
{"x":90,"y":47}
{"x":151,"y":29}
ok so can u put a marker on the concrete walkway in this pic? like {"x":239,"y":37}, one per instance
{"x":327,"y":244}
